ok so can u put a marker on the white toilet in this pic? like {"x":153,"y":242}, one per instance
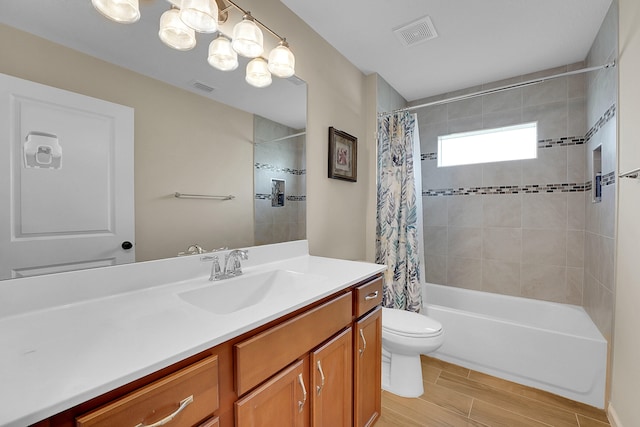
{"x":405,"y":336}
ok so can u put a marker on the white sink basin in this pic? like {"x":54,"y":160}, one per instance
{"x":231,"y":295}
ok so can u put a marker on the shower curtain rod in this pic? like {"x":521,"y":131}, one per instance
{"x":499,"y":89}
{"x":283,"y":138}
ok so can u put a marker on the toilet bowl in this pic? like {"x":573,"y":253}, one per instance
{"x":405,"y":336}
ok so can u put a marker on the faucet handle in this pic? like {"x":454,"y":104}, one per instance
{"x":232,"y":265}
{"x":216,"y":273}
{"x":243,"y":253}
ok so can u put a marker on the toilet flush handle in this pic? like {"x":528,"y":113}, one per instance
{"x":364,"y":343}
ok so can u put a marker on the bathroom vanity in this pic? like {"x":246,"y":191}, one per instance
{"x":298,"y":342}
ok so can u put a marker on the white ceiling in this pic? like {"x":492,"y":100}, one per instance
{"x":76,"y":24}
{"x":478,"y":41}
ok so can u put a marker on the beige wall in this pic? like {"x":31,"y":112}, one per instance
{"x":336,"y":210}
{"x":626,"y":351}
{"x":183,"y":142}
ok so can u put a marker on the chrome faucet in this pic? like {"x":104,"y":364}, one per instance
{"x":232,"y":265}
{"x":216,"y":274}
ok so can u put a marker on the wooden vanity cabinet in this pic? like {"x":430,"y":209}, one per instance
{"x":259,"y":379}
{"x":287,"y":385}
{"x":186,"y":397}
{"x":367,"y":368}
{"x":367,"y":353}
{"x":331,"y":381}
{"x":341,"y":341}
{"x":281,"y":401}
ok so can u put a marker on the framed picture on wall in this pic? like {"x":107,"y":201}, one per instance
{"x":343,"y":155}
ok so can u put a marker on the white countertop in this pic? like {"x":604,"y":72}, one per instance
{"x":67,"y":338}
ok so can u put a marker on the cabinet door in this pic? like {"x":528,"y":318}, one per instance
{"x":367,"y":368}
{"x":331,"y":382}
{"x":282,"y":401}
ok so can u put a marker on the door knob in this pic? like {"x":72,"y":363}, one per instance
{"x":126,"y":245}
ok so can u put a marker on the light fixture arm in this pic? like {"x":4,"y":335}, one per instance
{"x":179,"y":24}
{"x":256,"y":20}
{"x":223,"y":11}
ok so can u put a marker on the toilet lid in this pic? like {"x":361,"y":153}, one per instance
{"x":406,"y":323}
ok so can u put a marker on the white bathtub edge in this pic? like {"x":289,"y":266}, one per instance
{"x":467,"y":347}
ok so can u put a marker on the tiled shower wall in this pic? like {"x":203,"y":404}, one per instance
{"x":284,"y":160}
{"x":602,"y":89}
{"x":516,"y":227}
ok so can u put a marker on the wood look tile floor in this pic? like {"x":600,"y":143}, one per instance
{"x":456,"y":396}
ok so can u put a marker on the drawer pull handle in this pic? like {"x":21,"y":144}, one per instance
{"x":183,"y":404}
{"x":304,"y":394}
{"x":372,"y":295}
{"x":364,"y":342}
{"x":321,"y":378}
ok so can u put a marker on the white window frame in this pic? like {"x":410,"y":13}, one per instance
{"x":518,"y":142}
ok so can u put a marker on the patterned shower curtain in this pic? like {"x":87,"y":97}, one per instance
{"x":397,"y":214}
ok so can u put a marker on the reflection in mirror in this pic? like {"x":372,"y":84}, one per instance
{"x":277,"y":193}
{"x":185,"y":140}
{"x":279,"y":180}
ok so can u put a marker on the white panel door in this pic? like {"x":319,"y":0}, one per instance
{"x":66,"y":180}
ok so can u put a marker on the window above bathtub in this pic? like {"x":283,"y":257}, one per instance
{"x":488,"y":145}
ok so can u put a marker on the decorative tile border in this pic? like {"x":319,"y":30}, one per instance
{"x":559,"y":142}
{"x":543,"y":143}
{"x":608,"y":115}
{"x":263,"y":196}
{"x":609,"y":178}
{"x":273,"y":168}
{"x":507,"y":189}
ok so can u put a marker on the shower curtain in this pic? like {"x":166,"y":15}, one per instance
{"x":399,"y":211}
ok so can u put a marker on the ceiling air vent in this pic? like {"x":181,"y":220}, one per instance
{"x":201,"y":86}
{"x":416,"y":32}
{"x":296,"y":80}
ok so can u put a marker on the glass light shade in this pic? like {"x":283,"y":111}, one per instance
{"x":258,"y":74}
{"x":281,"y":61}
{"x":174,"y":33}
{"x":247,"y":38}
{"x":221,"y":55}
{"x":122,"y":11}
{"x":201,"y":15}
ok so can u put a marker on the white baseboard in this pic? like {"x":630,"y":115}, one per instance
{"x":613,"y":417}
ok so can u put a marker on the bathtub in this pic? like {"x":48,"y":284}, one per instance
{"x":548,"y":346}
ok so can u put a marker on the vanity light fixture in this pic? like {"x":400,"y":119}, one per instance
{"x":122,"y":11}
{"x":247,"y":37}
{"x":258,"y":74}
{"x":201,"y":15}
{"x":179,"y":24}
{"x":175,"y":33}
{"x":281,"y":60}
{"x":221,"y":54}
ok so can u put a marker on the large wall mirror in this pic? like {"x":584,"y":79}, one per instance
{"x":197,"y":130}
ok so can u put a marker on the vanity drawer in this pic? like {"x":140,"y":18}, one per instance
{"x":263,"y":355}
{"x":194,"y":389}
{"x":367,"y":296}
